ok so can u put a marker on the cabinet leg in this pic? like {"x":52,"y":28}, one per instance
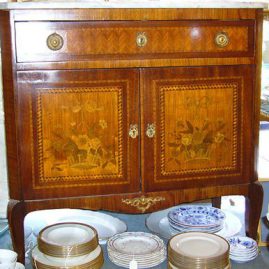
{"x":216,"y":202}
{"x":16,"y":214}
{"x":253,"y":209}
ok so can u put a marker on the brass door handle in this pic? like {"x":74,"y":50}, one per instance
{"x":133,"y":131}
{"x":141,"y":39}
{"x":55,"y":41}
{"x":150,"y":132}
{"x":222,"y":39}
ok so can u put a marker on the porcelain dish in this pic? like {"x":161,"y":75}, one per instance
{"x":198,"y":250}
{"x":146,"y":249}
{"x":243,"y":249}
{"x":171,"y":266}
{"x":158,"y":223}
{"x":196,"y":216}
{"x":69,"y":239}
{"x":105,"y":224}
{"x":92,"y":260}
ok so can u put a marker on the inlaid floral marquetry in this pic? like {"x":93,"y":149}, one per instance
{"x":200,"y":124}
{"x":79,"y":132}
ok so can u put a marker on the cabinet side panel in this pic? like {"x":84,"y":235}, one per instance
{"x":10,"y":107}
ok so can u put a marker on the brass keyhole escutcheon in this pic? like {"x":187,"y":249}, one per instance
{"x":133,"y":131}
{"x":222,"y":39}
{"x":150,"y":132}
{"x":55,"y":41}
{"x":141,"y":39}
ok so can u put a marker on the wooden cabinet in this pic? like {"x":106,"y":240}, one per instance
{"x":133,"y":110}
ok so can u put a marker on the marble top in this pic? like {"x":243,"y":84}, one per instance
{"x":137,"y":4}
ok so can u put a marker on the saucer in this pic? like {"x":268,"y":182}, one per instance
{"x":19,"y":266}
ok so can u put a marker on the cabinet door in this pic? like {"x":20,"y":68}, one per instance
{"x":74,"y":129}
{"x":203,"y":126}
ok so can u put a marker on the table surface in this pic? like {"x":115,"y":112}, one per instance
{"x":137,"y":223}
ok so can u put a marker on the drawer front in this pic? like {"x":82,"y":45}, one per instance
{"x":70,"y":41}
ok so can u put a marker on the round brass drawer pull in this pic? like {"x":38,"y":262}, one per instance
{"x":141,"y":40}
{"x":222,"y":39}
{"x":55,"y":41}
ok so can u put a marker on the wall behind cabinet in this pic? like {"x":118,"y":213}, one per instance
{"x":3,"y":166}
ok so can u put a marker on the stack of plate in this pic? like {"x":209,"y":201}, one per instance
{"x":146,"y":249}
{"x":198,"y":250}
{"x":192,"y":218}
{"x":67,"y":246}
{"x":243,"y":249}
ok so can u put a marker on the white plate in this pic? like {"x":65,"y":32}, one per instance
{"x":105,"y":224}
{"x":143,"y":257}
{"x":242,"y":260}
{"x":135,"y":243}
{"x":174,"y":267}
{"x":147,"y":249}
{"x":199,"y":245}
{"x":64,"y":262}
{"x":242,"y":244}
{"x":19,"y":266}
{"x":67,"y":234}
{"x":140,"y":264}
{"x":158,"y":223}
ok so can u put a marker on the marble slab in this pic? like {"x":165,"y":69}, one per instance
{"x":136,"y":4}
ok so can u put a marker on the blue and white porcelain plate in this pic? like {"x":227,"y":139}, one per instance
{"x":243,"y":249}
{"x":241,"y":244}
{"x":196,"y":216}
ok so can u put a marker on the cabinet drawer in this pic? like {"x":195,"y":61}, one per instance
{"x":64,"y":41}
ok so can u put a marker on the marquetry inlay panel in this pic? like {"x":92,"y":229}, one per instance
{"x":79,"y":134}
{"x":200,"y":126}
{"x":115,"y":39}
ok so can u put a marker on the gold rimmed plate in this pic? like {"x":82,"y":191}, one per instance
{"x":67,"y":239}
{"x":91,"y":260}
{"x":198,"y":246}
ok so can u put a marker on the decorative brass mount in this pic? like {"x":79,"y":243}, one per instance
{"x":143,"y":203}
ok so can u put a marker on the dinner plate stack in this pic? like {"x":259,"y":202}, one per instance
{"x":146,"y":249}
{"x":67,"y":246}
{"x":198,"y":250}
{"x":243,"y":249}
{"x":196,"y":218}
